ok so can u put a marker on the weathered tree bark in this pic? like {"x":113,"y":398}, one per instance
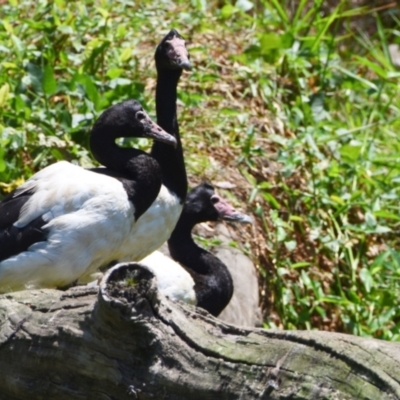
{"x":126,"y":341}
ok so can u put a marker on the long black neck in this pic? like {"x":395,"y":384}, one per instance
{"x":213,"y":282}
{"x":169,"y":158}
{"x":139,"y":173}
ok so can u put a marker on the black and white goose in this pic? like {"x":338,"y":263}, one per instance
{"x":154,"y":227}
{"x":65,"y":221}
{"x":196,"y":276}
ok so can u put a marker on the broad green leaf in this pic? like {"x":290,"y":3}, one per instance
{"x":367,"y":279}
{"x":2,"y":162}
{"x":9,"y":65}
{"x":382,"y":229}
{"x":7,"y":26}
{"x":370,"y":219}
{"x":18,"y":44}
{"x":121,"y":31}
{"x":386,"y":214}
{"x":280,"y":234}
{"x":228,"y":10}
{"x":353,"y":297}
{"x":115,"y":72}
{"x":264,"y":185}
{"x":352,"y":153}
{"x":126,"y":54}
{"x":337,"y":199}
{"x":49,"y":83}
{"x":90,"y":88}
{"x":104,"y":13}
{"x":269,"y":41}
{"x":4,"y":92}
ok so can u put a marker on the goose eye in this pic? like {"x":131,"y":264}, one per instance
{"x":140,"y":115}
{"x":214,"y":200}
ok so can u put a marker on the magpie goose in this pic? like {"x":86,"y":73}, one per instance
{"x":154,"y":227}
{"x":195,"y":275}
{"x":65,"y":222}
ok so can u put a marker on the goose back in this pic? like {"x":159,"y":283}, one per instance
{"x":66,"y":221}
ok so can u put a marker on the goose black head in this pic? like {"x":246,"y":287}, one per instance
{"x":128,"y":119}
{"x":171,"y":53}
{"x":204,"y":204}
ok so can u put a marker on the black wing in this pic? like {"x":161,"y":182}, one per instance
{"x":16,"y":240}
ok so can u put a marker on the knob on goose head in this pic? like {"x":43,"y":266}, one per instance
{"x":171,"y":53}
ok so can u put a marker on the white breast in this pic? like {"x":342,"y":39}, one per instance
{"x":173,"y":280}
{"x":153,"y":228}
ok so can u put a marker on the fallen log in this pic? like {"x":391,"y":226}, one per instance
{"x":126,"y":341}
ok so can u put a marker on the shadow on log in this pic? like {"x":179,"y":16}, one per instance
{"x":126,"y":341}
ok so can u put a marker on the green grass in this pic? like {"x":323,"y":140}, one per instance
{"x":301,"y":111}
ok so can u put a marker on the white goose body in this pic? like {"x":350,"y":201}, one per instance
{"x":92,"y":226}
{"x":154,"y":227}
{"x":86,"y":216}
{"x":65,"y":222}
{"x":173,"y":280}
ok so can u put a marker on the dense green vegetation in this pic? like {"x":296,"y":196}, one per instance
{"x":300,"y":109}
